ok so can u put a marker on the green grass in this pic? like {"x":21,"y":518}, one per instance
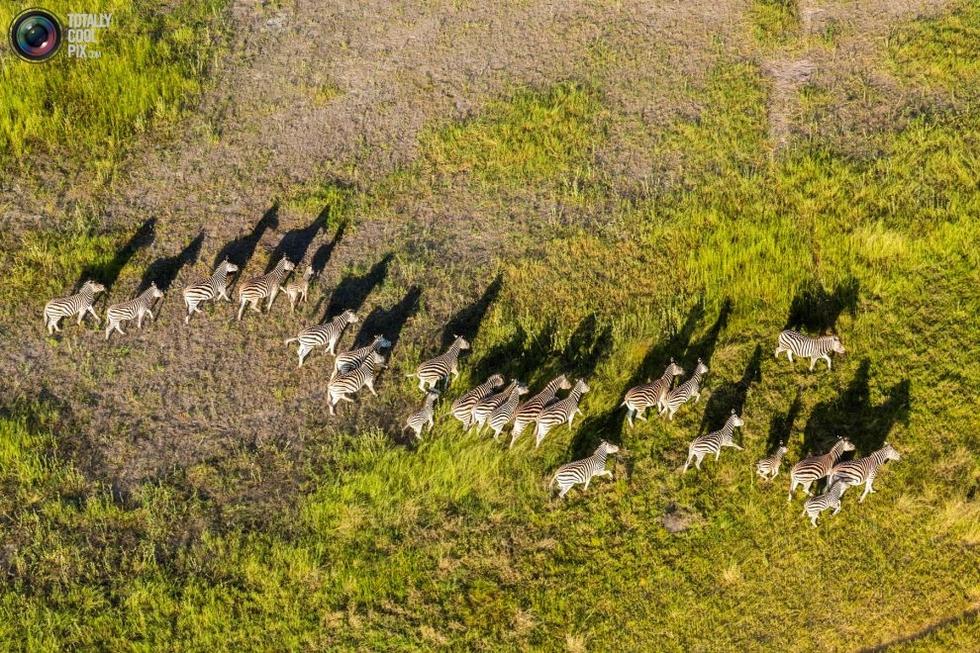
{"x":774,"y":22}
{"x":941,"y":52}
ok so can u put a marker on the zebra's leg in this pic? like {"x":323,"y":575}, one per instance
{"x":867,"y":490}
{"x":108,"y":330}
{"x":564,"y":491}
{"x":302,"y":351}
{"x":697,"y":397}
{"x":607,"y":473}
{"x":718,"y":454}
{"x":257,"y":305}
{"x":779,"y":350}
{"x":813,"y":519}
{"x":641,"y":414}
{"x":98,"y":320}
{"x":789,"y":355}
{"x":369,"y":384}
{"x":792,"y":486}
{"x":827,"y":358}
{"x":119,"y":328}
{"x":837,"y":507}
{"x":629,"y":416}
{"x":806,"y":488}
{"x":687,"y":463}
{"x":81,"y":316}
{"x":813,"y":362}
{"x":697,"y":461}
{"x":241,"y":309}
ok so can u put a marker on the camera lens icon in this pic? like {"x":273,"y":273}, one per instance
{"x":35,"y":35}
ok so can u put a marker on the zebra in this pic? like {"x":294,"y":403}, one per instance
{"x":297,"y":288}
{"x":348,"y":360}
{"x":503,"y":413}
{"x":643,"y":396}
{"x":683,"y":393}
{"x":322,"y":334}
{"x":768,"y":467}
{"x":78,"y":304}
{"x":560,"y":412}
{"x":829,"y":499}
{"x":482,"y":409}
{"x":814,"y":468}
{"x":350,"y":382}
{"x":215,"y":287}
{"x":136,"y":308}
{"x":462,"y":408}
{"x":806,"y":347}
{"x":256,"y":289}
{"x":863,"y":470}
{"x":442,"y":366}
{"x":583,"y":471}
{"x":418,"y":420}
{"x":713,"y":442}
{"x":528,"y":412}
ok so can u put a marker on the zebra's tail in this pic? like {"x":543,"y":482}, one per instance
{"x":289,"y":340}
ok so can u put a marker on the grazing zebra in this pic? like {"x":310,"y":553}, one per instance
{"x":348,"y":360}
{"x":78,"y":304}
{"x":215,"y":287}
{"x":829,"y":499}
{"x":768,"y":467}
{"x":643,"y":396}
{"x":321,"y":335}
{"x":297,"y":288}
{"x":350,"y":382}
{"x":806,"y":347}
{"x":683,"y":393}
{"x":813,"y":468}
{"x":583,"y":471}
{"x":256,"y":289}
{"x":418,"y":420}
{"x":136,"y":308}
{"x":560,"y":412}
{"x":462,"y":408}
{"x":503,"y":413}
{"x":482,"y":409}
{"x":713,"y":442}
{"x":442,"y":366}
{"x":528,"y":412}
{"x":863,"y":470}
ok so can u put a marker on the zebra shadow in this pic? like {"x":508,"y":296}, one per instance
{"x":524,"y":356}
{"x":851,"y":414}
{"x":389,"y":322}
{"x":240,"y":250}
{"x":295,"y":243}
{"x":323,"y":253}
{"x":816,"y":310}
{"x":704,"y":347}
{"x":107,"y":273}
{"x":731,"y":395}
{"x":781,"y":426}
{"x":163,"y":271}
{"x":468,"y":320}
{"x":353,"y":290}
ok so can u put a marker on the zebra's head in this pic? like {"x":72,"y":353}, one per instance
{"x":309,"y":273}
{"x":607,"y":446}
{"x":701,"y":368}
{"x":287,"y":265}
{"x":673,"y":369}
{"x":377,"y":360}
{"x":461,"y":341}
{"x":349,"y":317}
{"x":156,"y":293}
{"x":735,"y":420}
{"x":846,"y":444}
{"x":229,"y":266}
{"x":890,"y":452}
{"x":835,"y":345}
{"x":564,"y":383}
{"x":93,"y":286}
{"x":781,"y":451}
{"x":582,"y":386}
{"x":380,"y":342}
{"x":496,"y":380}
{"x":431,"y":395}
{"x":520,"y":388}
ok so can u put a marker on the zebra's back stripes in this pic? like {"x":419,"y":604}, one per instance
{"x":804,"y":346}
{"x":214,"y":287}
{"x":583,"y":471}
{"x":78,"y":304}
{"x":136,"y":308}
{"x":253,"y":291}
{"x":713,"y":442}
{"x":863,"y":470}
{"x":809,"y":470}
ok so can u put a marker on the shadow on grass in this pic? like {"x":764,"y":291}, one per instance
{"x":107,"y":273}
{"x":966,"y":617}
{"x":240,"y":250}
{"x":323,"y":253}
{"x":353,"y":290}
{"x":389,"y":322}
{"x":781,"y":426}
{"x":296,"y":242}
{"x":704,"y":347}
{"x":852,"y":415}
{"x":164,"y":270}
{"x":731,"y":395}
{"x":816,"y":310}
{"x":467,"y":321}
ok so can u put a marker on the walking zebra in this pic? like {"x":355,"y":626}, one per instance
{"x":78,"y":304}
{"x":418,"y":420}
{"x":350,"y":382}
{"x":813,"y":468}
{"x":462,"y":408}
{"x":560,"y":412}
{"x":136,"y":308}
{"x":321,"y":335}
{"x":503,"y":413}
{"x":297,"y":288}
{"x":829,"y":499}
{"x":806,"y":347}
{"x":482,"y":409}
{"x":215,"y":287}
{"x":583,"y":471}
{"x":442,"y":366}
{"x":683,"y":393}
{"x":768,"y":467}
{"x":348,"y":360}
{"x":863,"y":470}
{"x":713,"y":442}
{"x":256,"y":289}
{"x":528,"y":412}
{"x":643,"y":396}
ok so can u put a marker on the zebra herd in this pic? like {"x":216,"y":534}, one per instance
{"x":495,"y":404}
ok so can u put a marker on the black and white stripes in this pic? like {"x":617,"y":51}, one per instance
{"x":863,"y":470}
{"x":135,"y":309}
{"x":322,"y":335}
{"x":804,"y":346}
{"x":713,"y":442}
{"x":442,"y":366}
{"x":583,"y":471}
{"x":213,"y":288}
{"x":684,"y":392}
{"x":813,"y":468}
{"x":253,"y":291}
{"x":79,"y":304}
{"x":639,"y":398}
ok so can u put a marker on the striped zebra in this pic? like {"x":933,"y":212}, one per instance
{"x":768,"y":467}
{"x":321,"y":335}
{"x":806,"y":347}
{"x":683,"y":393}
{"x":442,"y":366}
{"x":528,"y":412}
{"x":136,"y":308}
{"x":863,"y":470}
{"x":256,"y":289}
{"x":502,"y":414}
{"x":643,"y":396}
{"x":462,"y":408}
{"x":418,"y":420}
{"x":297,"y":289}
{"x":713,"y":442}
{"x":813,"y":468}
{"x":559,"y":412}
{"x":78,"y":304}
{"x":583,"y":471}
{"x":215,"y":287}
{"x":829,"y":499}
{"x":482,"y":409}
{"x":348,"y":383}
{"x":348,"y":360}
